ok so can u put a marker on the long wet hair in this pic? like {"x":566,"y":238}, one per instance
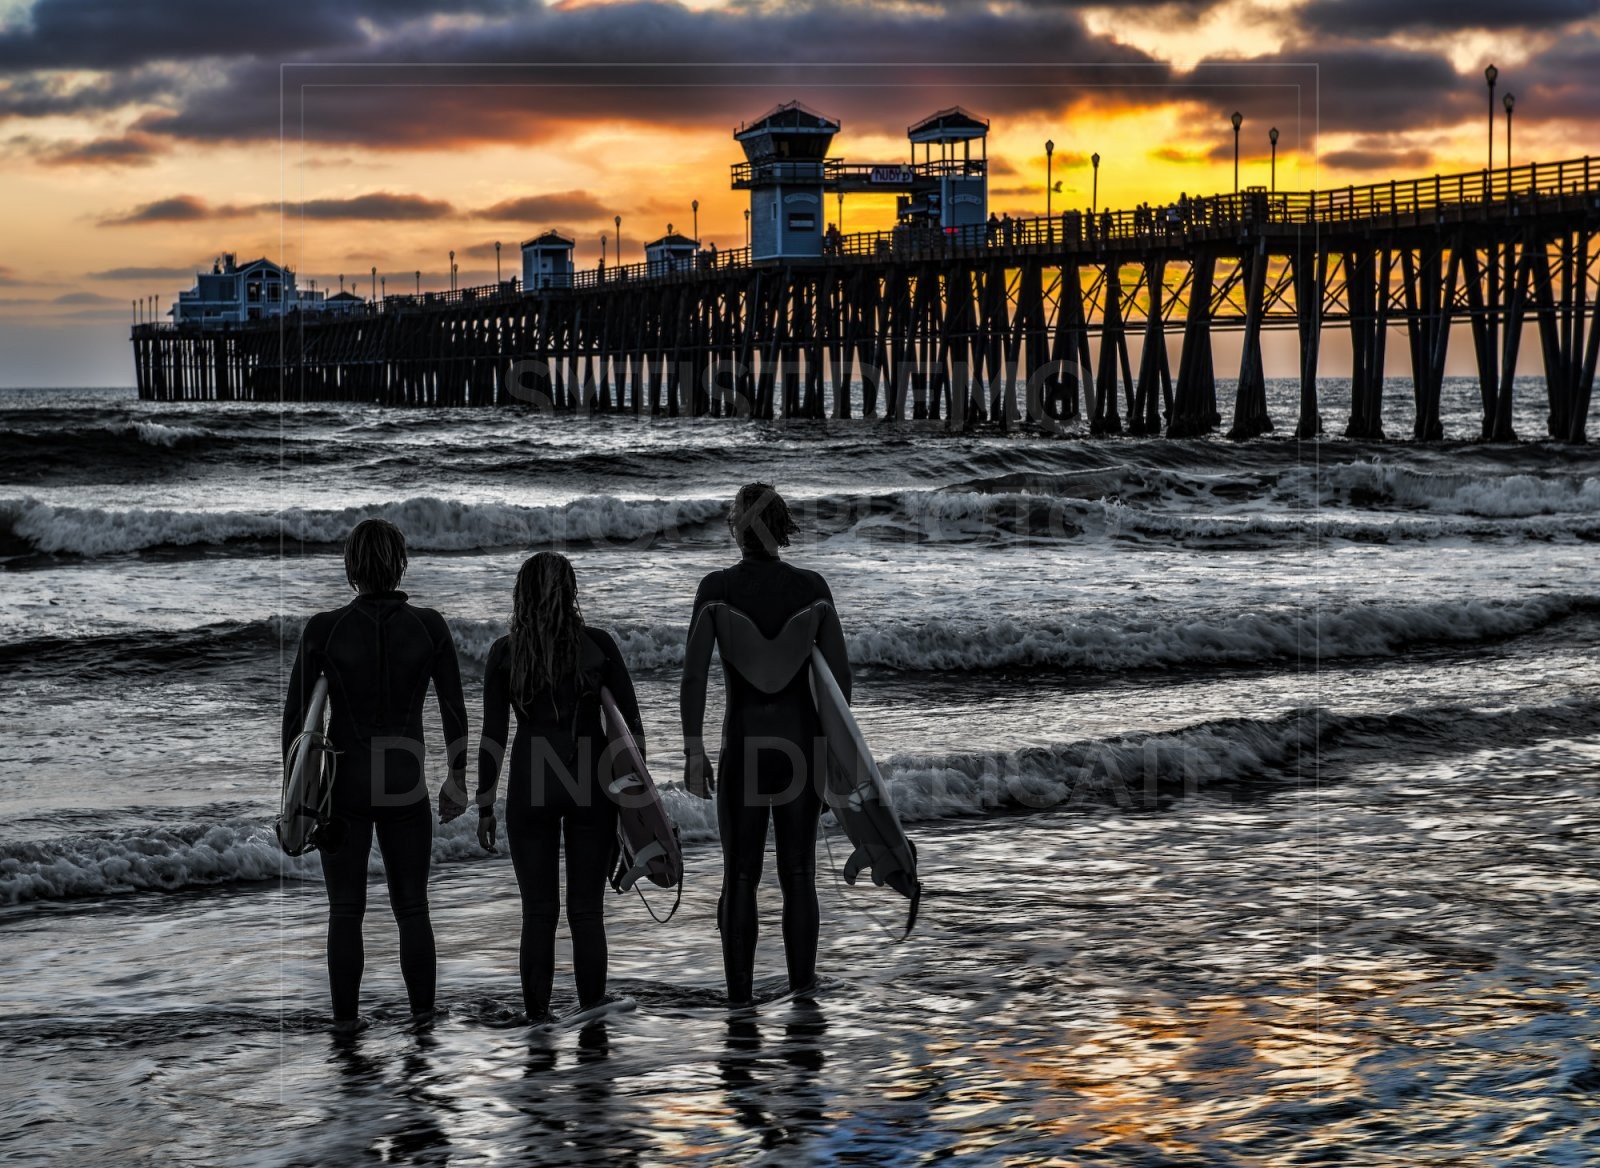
{"x":760,"y":520}
{"x":546,"y":627}
{"x":375,"y":556}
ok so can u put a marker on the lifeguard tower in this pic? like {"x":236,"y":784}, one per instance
{"x":952,"y":187}
{"x":546,"y":262}
{"x":671,"y":253}
{"x":786,"y":172}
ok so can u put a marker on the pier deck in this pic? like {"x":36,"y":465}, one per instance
{"x":1028,"y":326}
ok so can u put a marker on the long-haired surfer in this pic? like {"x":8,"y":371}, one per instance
{"x":379,"y":652}
{"x":763,"y":616}
{"x":549,"y":669}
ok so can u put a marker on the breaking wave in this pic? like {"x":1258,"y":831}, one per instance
{"x":1129,"y":772}
{"x":1108,"y":644}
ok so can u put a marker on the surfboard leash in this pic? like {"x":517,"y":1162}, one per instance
{"x":844,"y":899}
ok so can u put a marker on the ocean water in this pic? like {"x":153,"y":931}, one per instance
{"x":1253,"y":786}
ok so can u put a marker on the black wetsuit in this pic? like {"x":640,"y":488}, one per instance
{"x":554,"y":791}
{"x":379,"y":653}
{"x":772,"y":756}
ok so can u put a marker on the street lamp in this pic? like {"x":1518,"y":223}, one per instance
{"x":1049,"y":152}
{"x":1094,"y":190}
{"x":747,"y":228}
{"x":696,"y":207}
{"x":452,"y":269}
{"x":1489,"y":75}
{"x":497,"y":261}
{"x":374,"y":285}
{"x":618,"y":222}
{"x":1237,"y":120}
{"x":1273,"y":134}
{"x":1510,"y":103}
{"x":602,"y":249}
{"x":419,"y":281}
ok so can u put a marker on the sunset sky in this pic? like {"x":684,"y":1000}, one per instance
{"x":143,"y":139}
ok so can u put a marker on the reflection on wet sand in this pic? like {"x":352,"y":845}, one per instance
{"x":775,"y":1095}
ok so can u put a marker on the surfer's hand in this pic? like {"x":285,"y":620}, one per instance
{"x":697,"y":775}
{"x":486,"y":831}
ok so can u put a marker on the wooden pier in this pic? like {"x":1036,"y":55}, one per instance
{"x":1025,"y":328}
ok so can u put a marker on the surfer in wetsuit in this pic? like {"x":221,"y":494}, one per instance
{"x":550,"y":669}
{"x":763,"y":616}
{"x":379,"y":653}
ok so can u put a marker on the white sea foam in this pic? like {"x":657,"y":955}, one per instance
{"x":1129,"y":772}
{"x":157,"y":434}
{"x":429,"y":523}
{"x":242,"y":850}
{"x":1106,"y":643}
{"x":1504,"y":496}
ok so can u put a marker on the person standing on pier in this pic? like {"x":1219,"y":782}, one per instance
{"x":379,"y":653}
{"x":763,"y":616}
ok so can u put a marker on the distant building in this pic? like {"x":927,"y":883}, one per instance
{"x":234,"y":292}
{"x":673,"y":252}
{"x":546,"y":262}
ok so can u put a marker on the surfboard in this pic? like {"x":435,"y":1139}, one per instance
{"x":307,"y":778}
{"x":859,"y":798}
{"x":644,"y":830}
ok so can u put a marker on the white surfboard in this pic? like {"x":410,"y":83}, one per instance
{"x":859,"y":798}
{"x":307,"y":778}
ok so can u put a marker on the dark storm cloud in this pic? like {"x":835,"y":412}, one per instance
{"x":177,"y":209}
{"x":84,"y":298}
{"x":1389,"y":161}
{"x":1563,"y":82}
{"x":1334,"y":88}
{"x":575,"y":206}
{"x":119,"y":34}
{"x":31,"y":95}
{"x":378,"y":205}
{"x":605,"y":62}
{"x":138,"y":273}
{"x":1382,"y":17}
{"x":130,"y":150}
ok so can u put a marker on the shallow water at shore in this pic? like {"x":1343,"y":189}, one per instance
{"x":1252,"y":784}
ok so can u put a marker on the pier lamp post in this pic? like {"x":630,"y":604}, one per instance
{"x":374,"y":287}
{"x":1273,"y":134}
{"x":1489,"y":75}
{"x":452,"y":269}
{"x":419,"y":281}
{"x":695,"y":207}
{"x":602,"y":249}
{"x":840,"y":195}
{"x":1237,"y":120}
{"x":747,"y":229}
{"x":1511,"y":104}
{"x":497,"y":261}
{"x":618,"y":221}
{"x":1049,"y":155}
{"x":1094,"y":189}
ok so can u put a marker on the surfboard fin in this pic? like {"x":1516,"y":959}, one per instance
{"x":911,"y":914}
{"x":852,"y":867}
